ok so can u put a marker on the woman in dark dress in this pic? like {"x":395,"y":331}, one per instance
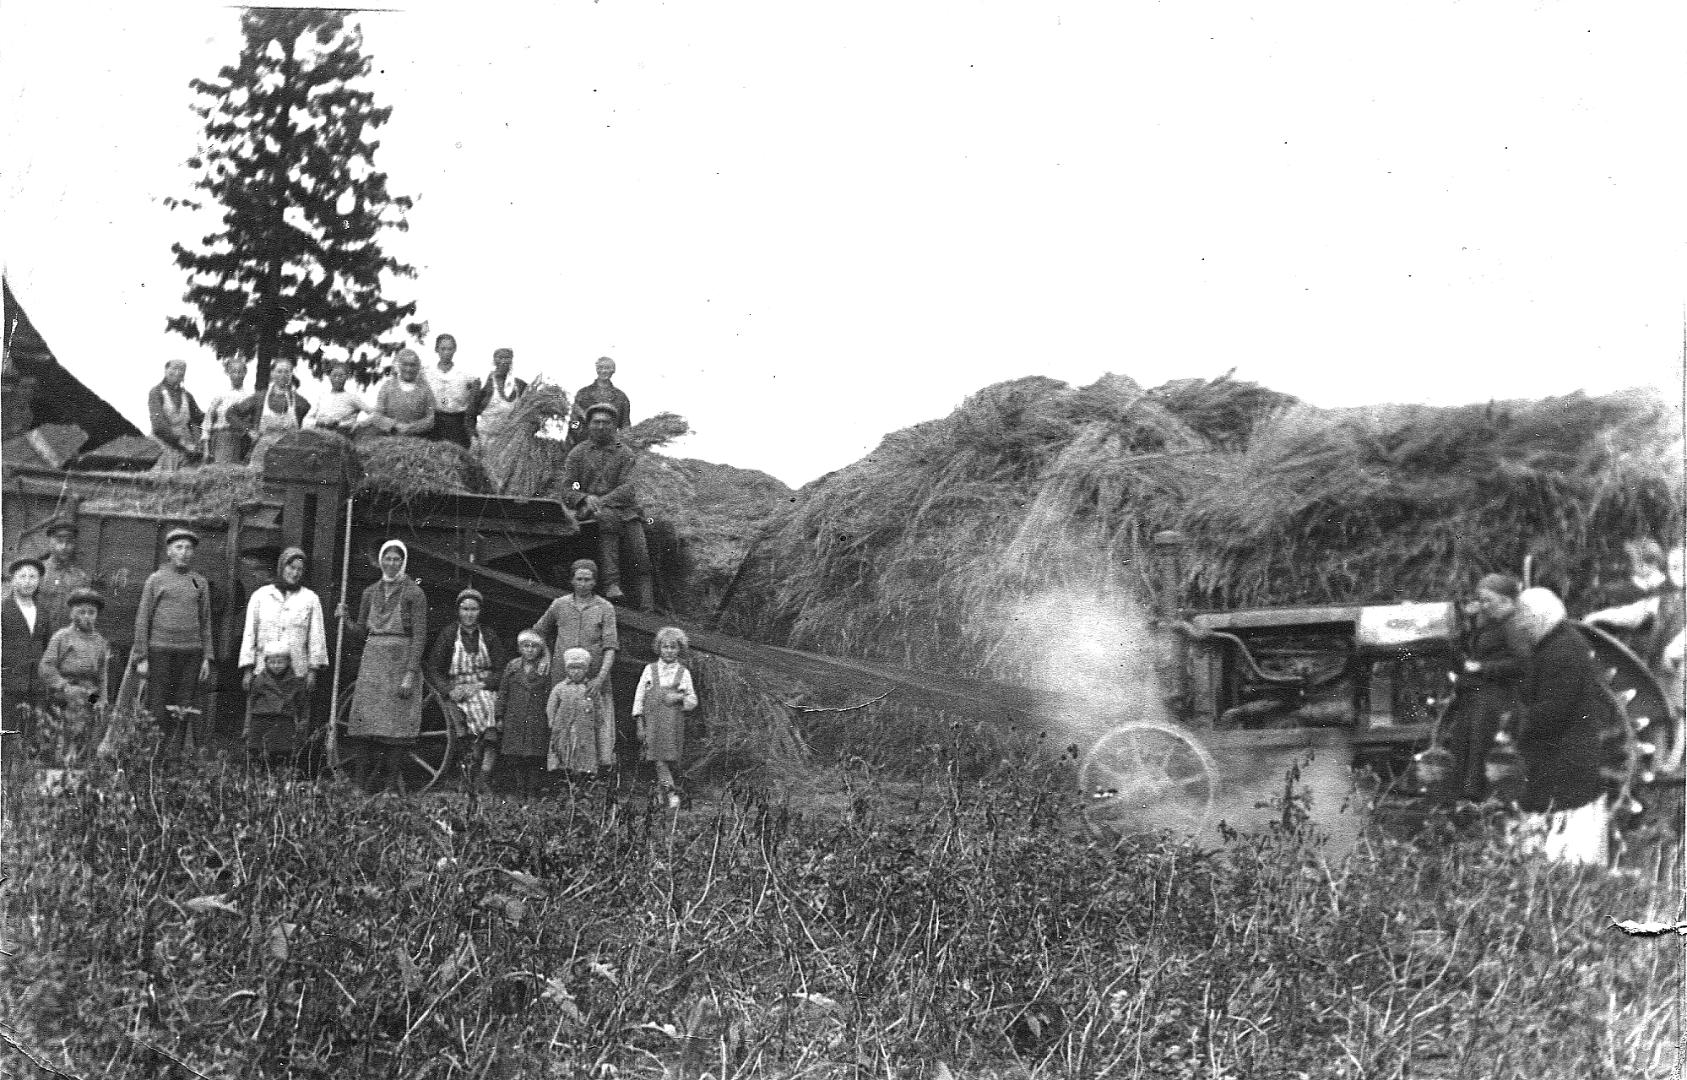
{"x":1496,"y":654}
{"x":386,"y":705}
{"x":1567,"y":712}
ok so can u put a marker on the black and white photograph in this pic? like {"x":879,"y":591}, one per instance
{"x":940,"y":541}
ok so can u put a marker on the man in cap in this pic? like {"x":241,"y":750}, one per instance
{"x":60,"y":573}
{"x":602,"y":392}
{"x":597,"y":485}
{"x":172,"y":648}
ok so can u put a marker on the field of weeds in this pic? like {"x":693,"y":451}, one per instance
{"x":234,"y":927}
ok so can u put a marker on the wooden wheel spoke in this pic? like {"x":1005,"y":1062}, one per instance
{"x":423,"y":762}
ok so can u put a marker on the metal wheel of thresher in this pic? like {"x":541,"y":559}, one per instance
{"x":436,"y":743}
{"x":1147,"y":776}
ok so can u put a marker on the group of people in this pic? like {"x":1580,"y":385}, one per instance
{"x":439,"y":402}
{"x":54,"y":665}
{"x":525,"y":715}
{"x":436,"y":401}
{"x":1530,"y":688}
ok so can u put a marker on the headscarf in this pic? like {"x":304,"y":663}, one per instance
{"x":543,"y":666}
{"x":403,"y":552}
{"x":288,"y":556}
{"x":1539,"y":611}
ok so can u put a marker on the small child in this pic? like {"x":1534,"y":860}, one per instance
{"x":74,"y":669}
{"x":522,"y":714}
{"x":275,"y":710}
{"x":572,"y":709}
{"x":665,"y":694}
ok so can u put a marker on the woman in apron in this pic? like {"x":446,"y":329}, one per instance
{"x":176,"y":418}
{"x":466,"y":661}
{"x":225,"y":435}
{"x":386,"y":706}
{"x":279,"y":410}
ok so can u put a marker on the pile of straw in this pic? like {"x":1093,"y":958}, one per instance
{"x":524,"y":453}
{"x":405,"y":467}
{"x":658,"y":430}
{"x":748,"y":728}
{"x":709,"y":515}
{"x":208,"y":492}
{"x":1033,"y":487}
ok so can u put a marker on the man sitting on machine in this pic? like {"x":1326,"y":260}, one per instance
{"x":597,"y":486}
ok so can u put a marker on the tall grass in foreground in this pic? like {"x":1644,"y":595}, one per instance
{"x":249,"y":930}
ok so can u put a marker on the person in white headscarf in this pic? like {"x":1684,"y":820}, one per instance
{"x":1566,"y":716}
{"x":386,"y":706}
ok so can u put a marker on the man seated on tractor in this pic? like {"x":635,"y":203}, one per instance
{"x":597,"y":486}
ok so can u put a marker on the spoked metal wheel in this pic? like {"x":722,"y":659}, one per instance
{"x":1642,"y":759}
{"x":427,"y":763}
{"x":1147,"y":776}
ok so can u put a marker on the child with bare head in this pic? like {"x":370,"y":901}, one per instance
{"x":665,"y":694}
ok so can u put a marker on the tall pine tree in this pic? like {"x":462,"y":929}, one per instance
{"x":297,"y":267}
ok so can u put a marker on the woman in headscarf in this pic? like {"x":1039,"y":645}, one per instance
{"x":285,"y":612}
{"x":404,"y":405}
{"x":585,"y":620}
{"x":1567,"y":711}
{"x":466,"y":661}
{"x":386,"y":706}
{"x":274,"y":412}
{"x":1495,"y":655}
{"x":24,"y":632}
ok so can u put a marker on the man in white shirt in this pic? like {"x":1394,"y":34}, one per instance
{"x":341,"y":410}
{"x":453,"y":392}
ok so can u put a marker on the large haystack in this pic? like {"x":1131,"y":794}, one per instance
{"x":1033,"y":488}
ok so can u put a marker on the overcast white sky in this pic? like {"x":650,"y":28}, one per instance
{"x":804,"y":227}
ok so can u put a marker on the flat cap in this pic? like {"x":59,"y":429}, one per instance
{"x":59,"y":523}
{"x":181,"y":533}
{"x":78,"y":597}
